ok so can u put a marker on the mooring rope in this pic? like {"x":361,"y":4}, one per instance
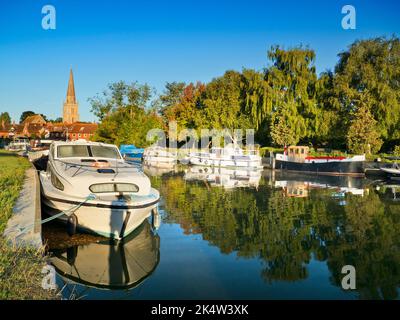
{"x":65,"y":212}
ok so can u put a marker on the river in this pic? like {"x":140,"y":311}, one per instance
{"x":235,"y":235}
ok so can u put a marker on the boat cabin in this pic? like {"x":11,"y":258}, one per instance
{"x":297,"y":153}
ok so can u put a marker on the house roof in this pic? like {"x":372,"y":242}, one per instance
{"x":80,"y":127}
{"x":36,"y":118}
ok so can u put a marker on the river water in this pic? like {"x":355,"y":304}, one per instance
{"x":239,"y":235}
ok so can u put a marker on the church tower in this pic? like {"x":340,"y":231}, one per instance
{"x":70,"y":111}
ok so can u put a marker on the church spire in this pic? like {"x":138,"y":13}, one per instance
{"x":70,"y":110}
{"x":71,"y":89}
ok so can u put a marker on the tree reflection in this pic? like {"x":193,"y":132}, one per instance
{"x":285,"y":233}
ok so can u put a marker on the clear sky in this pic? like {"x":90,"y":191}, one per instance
{"x":160,"y":41}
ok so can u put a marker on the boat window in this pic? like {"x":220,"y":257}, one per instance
{"x":72,"y":151}
{"x":105,"y":152}
{"x":113,"y":187}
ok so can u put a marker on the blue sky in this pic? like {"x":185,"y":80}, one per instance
{"x":160,"y":41}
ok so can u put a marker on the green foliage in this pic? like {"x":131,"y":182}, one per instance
{"x":285,"y":233}
{"x":287,"y":103}
{"x":371,"y":67}
{"x":5,"y":118}
{"x":396,"y":151}
{"x":20,"y":268}
{"x":125,"y":119}
{"x":362,"y":136}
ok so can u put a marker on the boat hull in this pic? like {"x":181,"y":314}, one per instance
{"x":110,"y":222}
{"x":226,"y":163}
{"x":353,"y":168}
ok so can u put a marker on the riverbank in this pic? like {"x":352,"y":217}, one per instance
{"x":20,"y":266}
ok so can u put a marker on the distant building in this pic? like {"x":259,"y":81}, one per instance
{"x":36,"y":128}
{"x":34,"y":119}
{"x":70,"y":110}
{"x":81,"y":130}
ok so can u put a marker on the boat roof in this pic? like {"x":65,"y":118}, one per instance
{"x":82,"y":142}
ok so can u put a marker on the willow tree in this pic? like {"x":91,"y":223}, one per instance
{"x":291,"y":93}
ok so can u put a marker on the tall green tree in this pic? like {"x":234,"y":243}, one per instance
{"x":5,"y":118}
{"x":291,"y":93}
{"x":125,"y":115}
{"x":371,"y":66}
{"x":362,"y":135}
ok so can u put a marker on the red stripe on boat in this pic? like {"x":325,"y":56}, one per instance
{"x":325,"y":158}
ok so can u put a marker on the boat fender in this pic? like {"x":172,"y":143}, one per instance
{"x":155,"y":219}
{"x":72,"y":222}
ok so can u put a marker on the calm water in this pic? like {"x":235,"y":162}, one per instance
{"x":233,"y":236}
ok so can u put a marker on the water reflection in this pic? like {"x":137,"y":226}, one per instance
{"x":335,"y":220}
{"x":108,"y":264}
{"x":223,"y":177}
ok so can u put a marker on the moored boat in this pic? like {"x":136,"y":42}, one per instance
{"x":159,"y":155}
{"x":96,"y":189}
{"x":297,"y":158}
{"x":131,"y":153}
{"x":231,"y":156}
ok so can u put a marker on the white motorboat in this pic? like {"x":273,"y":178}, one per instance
{"x":158,"y":155}
{"x":223,"y":177}
{"x":96,"y":189}
{"x":230,"y":156}
{"x":18,"y":145}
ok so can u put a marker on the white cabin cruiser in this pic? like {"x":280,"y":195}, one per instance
{"x":159,"y":156}
{"x":96,"y":189}
{"x":230,"y":156}
{"x":18,"y":145}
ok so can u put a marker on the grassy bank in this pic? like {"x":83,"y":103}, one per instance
{"x":20,"y":268}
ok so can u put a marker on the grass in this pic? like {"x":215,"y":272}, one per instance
{"x":20,"y":267}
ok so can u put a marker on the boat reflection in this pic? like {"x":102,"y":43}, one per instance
{"x":300,"y":185}
{"x":110,"y":264}
{"x":223,"y":177}
{"x":157,"y":170}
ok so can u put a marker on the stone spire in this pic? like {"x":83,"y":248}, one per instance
{"x":70,"y":110}
{"x":71,"y":88}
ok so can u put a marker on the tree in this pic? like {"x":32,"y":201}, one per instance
{"x":282,"y":130}
{"x":221,"y":104}
{"x":25,"y":115}
{"x":172,"y":95}
{"x":124,"y":114}
{"x":371,"y":66}
{"x":184,"y":107}
{"x":291,"y":94}
{"x":362,"y":136}
{"x":5,"y":118}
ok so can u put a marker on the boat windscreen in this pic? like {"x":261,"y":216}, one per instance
{"x":87,"y":151}
{"x":72,"y":151}
{"x":105,"y":152}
